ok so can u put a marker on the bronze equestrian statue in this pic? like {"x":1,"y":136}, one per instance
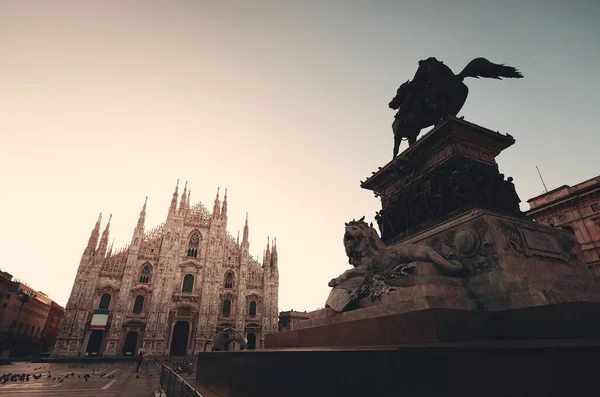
{"x":436,"y":93}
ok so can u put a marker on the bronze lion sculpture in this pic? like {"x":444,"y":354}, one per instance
{"x":369,"y":256}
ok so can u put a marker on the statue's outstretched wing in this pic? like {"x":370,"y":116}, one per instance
{"x":481,"y":67}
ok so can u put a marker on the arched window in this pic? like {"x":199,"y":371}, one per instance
{"x":568,"y":229}
{"x":138,"y":304}
{"x":226,"y":307}
{"x":252,"y":308}
{"x":188,"y":283}
{"x":228,"y":280}
{"x":194,"y":245}
{"x":104,"y":301}
{"x":146,"y":274}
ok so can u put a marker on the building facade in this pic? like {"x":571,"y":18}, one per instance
{"x":50,"y":332}
{"x":171,"y":288}
{"x":288,"y":319}
{"x":24,"y":315}
{"x":576,"y":209}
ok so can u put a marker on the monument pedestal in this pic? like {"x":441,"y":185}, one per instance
{"x":446,"y":192}
{"x":498,"y":328}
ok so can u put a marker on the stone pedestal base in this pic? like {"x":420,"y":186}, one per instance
{"x":516,"y":271}
{"x":575,"y":320}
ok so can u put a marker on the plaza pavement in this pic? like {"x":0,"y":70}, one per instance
{"x":117,"y":379}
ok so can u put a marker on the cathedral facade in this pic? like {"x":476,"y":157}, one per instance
{"x":171,"y":288}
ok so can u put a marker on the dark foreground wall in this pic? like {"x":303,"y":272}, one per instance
{"x":485,"y":370}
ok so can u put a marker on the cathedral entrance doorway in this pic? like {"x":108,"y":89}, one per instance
{"x":130,"y":343}
{"x":93,"y":347}
{"x":179,"y":341}
{"x":251,"y":340}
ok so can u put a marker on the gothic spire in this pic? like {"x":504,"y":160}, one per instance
{"x":216,"y":207}
{"x":267,"y":255}
{"x":93,"y":240}
{"x":274,"y":254}
{"x":142,"y":218}
{"x":238,"y":239}
{"x":183,"y":203}
{"x":245,"y":235}
{"x":173,"y":207}
{"x":224,"y":208}
{"x":104,"y":239}
{"x":188,"y":198}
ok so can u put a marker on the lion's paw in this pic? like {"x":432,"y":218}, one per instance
{"x":333,"y":282}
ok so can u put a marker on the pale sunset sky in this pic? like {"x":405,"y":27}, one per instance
{"x":284,"y":103}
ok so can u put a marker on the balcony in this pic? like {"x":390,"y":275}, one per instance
{"x":255,"y":318}
{"x":186,"y":297}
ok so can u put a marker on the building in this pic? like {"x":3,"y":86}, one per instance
{"x":24,"y":313}
{"x":171,"y":288}
{"x":288,"y":319}
{"x":50,"y":332}
{"x":576,"y":209}
{"x":7,"y":288}
{"x":27,"y":318}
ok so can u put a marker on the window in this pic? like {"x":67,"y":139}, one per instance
{"x":104,"y":302}
{"x":19,"y":328}
{"x":194,"y":245}
{"x":26,"y":329}
{"x":229,"y":280}
{"x":226,"y":307}
{"x":252,"y":308}
{"x":138,"y":304}
{"x":595,"y":207}
{"x":568,"y":229}
{"x":146,"y":274}
{"x":188,"y":283}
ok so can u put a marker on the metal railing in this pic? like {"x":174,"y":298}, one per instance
{"x":173,"y":385}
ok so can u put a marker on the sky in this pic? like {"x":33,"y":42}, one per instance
{"x":284,"y":103}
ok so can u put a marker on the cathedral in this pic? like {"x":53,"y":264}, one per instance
{"x":171,"y":288}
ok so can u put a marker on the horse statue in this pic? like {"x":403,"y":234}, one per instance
{"x":222,"y":340}
{"x":436,"y":93}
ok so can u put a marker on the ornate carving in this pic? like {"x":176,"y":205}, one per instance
{"x":469,"y":246}
{"x":467,"y":242}
{"x":436,"y":243}
{"x":459,"y":183}
{"x":184,"y":311}
{"x":511,"y":232}
{"x":531,"y":240}
{"x":435,"y":93}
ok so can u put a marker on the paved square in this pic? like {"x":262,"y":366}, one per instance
{"x":69,"y":379}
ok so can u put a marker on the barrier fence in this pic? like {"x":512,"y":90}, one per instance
{"x":173,"y":385}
